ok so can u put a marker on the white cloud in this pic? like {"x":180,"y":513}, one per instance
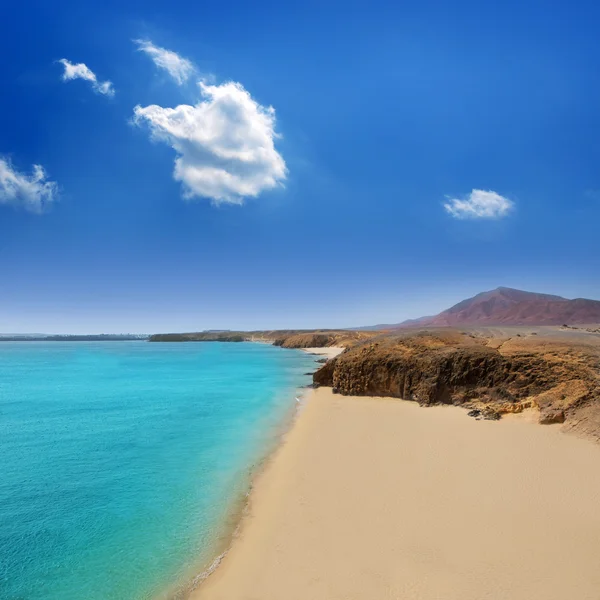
{"x":179,"y":68}
{"x":33,"y":192}
{"x":106,"y":88}
{"x":225,"y":143}
{"x":479,"y":204}
{"x":82,"y":71}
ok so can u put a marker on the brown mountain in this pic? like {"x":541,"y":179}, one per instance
{"x":507,"y":306}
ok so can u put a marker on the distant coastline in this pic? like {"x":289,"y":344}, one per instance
{"x":102,"y":337}
{"x":277,"y":337}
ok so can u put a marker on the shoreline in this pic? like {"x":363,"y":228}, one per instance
{"x":327,"y":352}
{"x":331,"y":515}
{"x":239,"y":510}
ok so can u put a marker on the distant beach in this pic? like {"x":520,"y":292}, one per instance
{"x":380,"y":498}
{"x":329,"y":352}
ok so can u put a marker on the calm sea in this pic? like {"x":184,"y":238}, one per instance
{"x":121,"y":463}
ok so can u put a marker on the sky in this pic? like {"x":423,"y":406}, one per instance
{"x":195,"y":165}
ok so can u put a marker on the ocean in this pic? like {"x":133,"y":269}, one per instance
{"x":124,"y":464}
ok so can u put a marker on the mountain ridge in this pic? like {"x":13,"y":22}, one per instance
{"x":510,"y":306}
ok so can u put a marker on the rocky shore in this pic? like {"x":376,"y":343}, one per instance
{"x":373,"y":498}
{"x":490,"y":371}
{"x":491,"y":376}
{"x":292,"y":338}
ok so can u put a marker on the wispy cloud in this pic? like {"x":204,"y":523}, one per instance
{"x":479,"y":204}
{"x":225,"y":143}
{"x":592,"y":194}
{"x":82,"y":71}
{"x":179,"y":68}
{"x":34,"y":192}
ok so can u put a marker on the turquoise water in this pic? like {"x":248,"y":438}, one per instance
{"x":121,"y":462}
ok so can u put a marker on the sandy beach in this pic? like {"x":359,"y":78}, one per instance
{"x":378,"y":498}
{"x":328,"y":352}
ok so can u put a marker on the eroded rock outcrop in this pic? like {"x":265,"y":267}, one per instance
{"x":433,"y":367}
{"x":306,"y":340}
{"x":201,"y":336}
{"x":322,"y":339}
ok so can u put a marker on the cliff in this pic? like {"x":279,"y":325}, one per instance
{"x":288,"y":338}
{"x":323,"y":339}
{"x":559,"y":376}
{"x":306,"y":340}
{"x":202,"y":336}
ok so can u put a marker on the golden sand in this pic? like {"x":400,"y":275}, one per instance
{"x":378,"y":499}
{"x":329,"y":352}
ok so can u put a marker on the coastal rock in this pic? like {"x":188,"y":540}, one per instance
{"x":551,"y":415}
{"x":307,"y":340}
{"x":490,"y":414}
{"x":514,"y":407}
{"x":320,"y":339}
{"x":560,"y":377}
{"x":419,"y":368}
{"x":202,"y":336}
{"x":287,"y":338}
{"x":324,"y":375}
{"x":487,"y":414}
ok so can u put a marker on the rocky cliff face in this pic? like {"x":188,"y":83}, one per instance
{"x":306,"y":340}
{"x":559,"y":377}
{"x":285,"y":338}
{"x":322,"y":339}
{"x":202,"y":336}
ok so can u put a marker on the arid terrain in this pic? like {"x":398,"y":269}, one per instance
{"x":489,"y":361}
{"x":286,"y":338}
{"x":507,"y":306}
{"x":489,"y":371}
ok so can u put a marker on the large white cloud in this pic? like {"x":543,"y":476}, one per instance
{"x":179,"y":68}
{"x":82,"y":71}
{"x":34,"y":192}
{"x":479,"y":204}
{"x":225,"y":143}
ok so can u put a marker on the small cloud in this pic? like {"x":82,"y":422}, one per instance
{"x":592,"y":194}
{"x":106,"y":88}
{"x":179,"y":68}
{"x":82,"y":71}
{"x":479,"y":204}
{"x":225,"y":143}
{"x":32,"y":192}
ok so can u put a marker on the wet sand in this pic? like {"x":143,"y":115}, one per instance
{"x":372,"y":498}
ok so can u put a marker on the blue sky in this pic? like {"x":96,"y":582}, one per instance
{"x":415,"y":154}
